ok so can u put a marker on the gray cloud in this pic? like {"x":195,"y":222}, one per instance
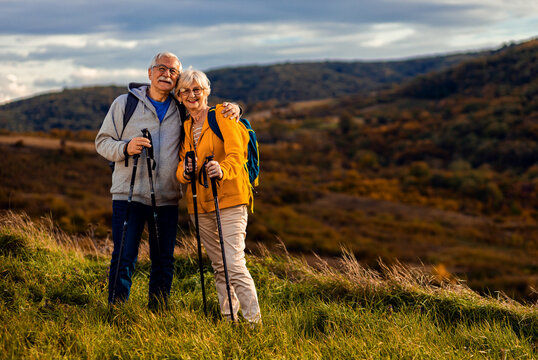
{"x":59,"y":17}
{"x":50,"y":83}
{"x":49,"y":44}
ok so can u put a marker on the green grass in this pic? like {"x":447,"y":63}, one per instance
{"x":53,"y":306}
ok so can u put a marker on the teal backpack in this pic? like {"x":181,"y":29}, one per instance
{"x":253,"y":160}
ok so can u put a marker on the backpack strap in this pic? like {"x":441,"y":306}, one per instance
{"x":212,"y":122}
{"x":130,"y":106}
{"x":182,"y":117}
{"x":214,"y":126}
{"x":182,"y":109}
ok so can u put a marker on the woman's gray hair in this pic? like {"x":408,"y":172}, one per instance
{"x":160,"y":55}
{"x":190,"y":76}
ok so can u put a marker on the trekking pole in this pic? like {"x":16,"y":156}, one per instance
{"x":125,"y":222}
{"x":221,"y":238}
{"x":192,"y":174}
{"x":149,"y":157}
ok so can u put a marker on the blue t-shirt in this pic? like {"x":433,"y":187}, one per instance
{"x":161,"y":107}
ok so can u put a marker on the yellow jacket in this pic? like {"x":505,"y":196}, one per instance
{"x":234,"y":188}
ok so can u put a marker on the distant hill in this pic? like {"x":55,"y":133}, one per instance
{"x":318,"y":80}
{"x":512,"y":71}
{"x":84,"y":108}
{"x":483,"y":111}
{"x":72,"y":109}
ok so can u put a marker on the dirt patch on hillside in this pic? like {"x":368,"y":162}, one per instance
{"x":398,"y":210}
{"x":46,"y":143}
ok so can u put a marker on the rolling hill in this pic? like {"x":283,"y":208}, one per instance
{"x":447,"y":179}
{"x":85,"y":108}
{"x":483,"y":111}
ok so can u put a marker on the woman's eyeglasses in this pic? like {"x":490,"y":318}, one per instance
{"x":187,"y":92}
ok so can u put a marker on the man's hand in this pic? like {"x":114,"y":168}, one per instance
{"x":232,"y":110}
{"x":137,"y":144}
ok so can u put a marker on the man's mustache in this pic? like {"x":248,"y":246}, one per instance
{"x":165,"y":78}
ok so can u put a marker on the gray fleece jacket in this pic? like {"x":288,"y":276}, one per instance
{"x":165,"y":138}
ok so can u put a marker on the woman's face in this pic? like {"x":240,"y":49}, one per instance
{"x":194,"y":97}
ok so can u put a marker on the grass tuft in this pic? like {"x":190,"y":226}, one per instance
{"x":12,"y":244}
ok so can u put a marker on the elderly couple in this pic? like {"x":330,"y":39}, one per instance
{"x":172,"y":136}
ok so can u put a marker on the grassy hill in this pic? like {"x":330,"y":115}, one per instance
{"x":449,"y":181}
{"x":53,"y":305}
{"x":85,"y":108}
{"x":386,"y":214}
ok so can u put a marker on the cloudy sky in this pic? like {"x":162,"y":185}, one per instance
{"x":47,"y":45}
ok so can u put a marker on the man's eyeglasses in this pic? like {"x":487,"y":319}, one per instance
{"x":162,"y":69}
{"x":187,"y":92}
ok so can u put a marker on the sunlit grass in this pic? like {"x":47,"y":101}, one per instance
{"x":53,"y":306}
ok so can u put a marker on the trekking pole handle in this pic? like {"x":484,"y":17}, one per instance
{"x":191,"y":155}
{"x":149,"y":150}
{"x":213,"y":180}
{"x":146,"y":134}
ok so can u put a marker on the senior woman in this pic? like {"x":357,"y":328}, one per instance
{"x":193,"y":89}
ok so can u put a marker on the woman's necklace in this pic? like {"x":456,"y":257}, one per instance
{"x":200,"y":117}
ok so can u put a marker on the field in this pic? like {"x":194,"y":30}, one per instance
{"x":378,"y":222}
{"x":52,"y":305}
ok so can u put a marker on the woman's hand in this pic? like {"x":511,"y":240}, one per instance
{"x":232,"y":110}
{"x":188,"y":167}
{"x":214,"y":170}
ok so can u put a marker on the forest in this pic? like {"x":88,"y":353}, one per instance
{"x":438,"y":171}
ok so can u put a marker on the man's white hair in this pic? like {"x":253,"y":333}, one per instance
{"x":160,"y":55}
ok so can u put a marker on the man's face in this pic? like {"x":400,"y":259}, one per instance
{"x":162,"y":78}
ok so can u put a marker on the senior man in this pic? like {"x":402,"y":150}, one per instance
{"x":157,"y":112}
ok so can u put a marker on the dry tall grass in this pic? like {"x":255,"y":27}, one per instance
{"x":53,"y":305}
